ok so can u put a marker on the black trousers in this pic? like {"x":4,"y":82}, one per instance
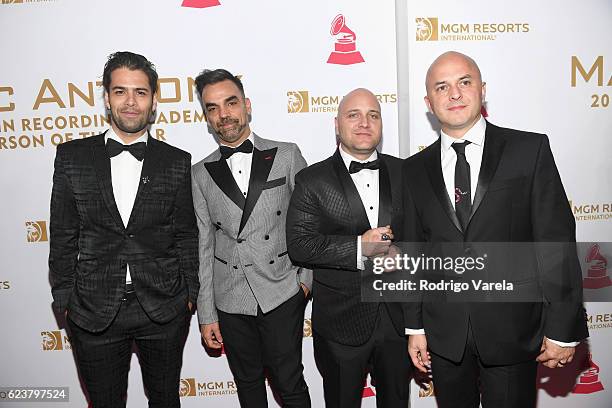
{"x":464,"y":384}
{"x":104,"y":358}
{"x":344,"y":368}
{"x":271,"y":341}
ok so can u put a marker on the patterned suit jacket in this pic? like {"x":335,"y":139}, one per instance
{"x":243,"y":250}
{"x":90,"y":247}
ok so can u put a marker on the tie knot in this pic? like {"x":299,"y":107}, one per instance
{"x":227,"y":152}
{"x":460,"y":147}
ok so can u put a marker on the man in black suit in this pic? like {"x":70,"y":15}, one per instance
{"x":482,"y":183}
{"x":123,"y":250}
{"x":342,"y":210}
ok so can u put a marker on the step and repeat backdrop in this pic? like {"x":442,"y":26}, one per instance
{"x":546,"y":69}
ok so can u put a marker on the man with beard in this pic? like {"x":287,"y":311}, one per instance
{"x":123,"y":248}
{"x":343,"y":209}
{"x":252,"y":298}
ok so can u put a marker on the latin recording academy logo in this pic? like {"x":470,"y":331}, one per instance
{"x":189,"y":387}
{"x":589,"y":381}
{"x":200,"y":3}
{"x":345,"y":49}
{"x":431,"y":29}
{"x":54,"y":340}
{"x":36,"y":231}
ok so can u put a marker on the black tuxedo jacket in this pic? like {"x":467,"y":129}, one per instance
{"x":325,"y":217}
{"x":90,"y":246}
{"x":519,"y":198}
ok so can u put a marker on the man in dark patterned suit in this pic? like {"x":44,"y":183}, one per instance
{"x":344,"y":209}
{"x":123,"y":249}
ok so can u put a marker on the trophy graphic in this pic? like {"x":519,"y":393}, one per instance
{"x":345,"y":51}
{"x":597,"y":274}
{"x":200,"y":3}
{"x":588,"y":382}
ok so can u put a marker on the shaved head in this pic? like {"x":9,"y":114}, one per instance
{"x":359,"y":123}
{"x":359,"y":92}
{"x":450,"y":57}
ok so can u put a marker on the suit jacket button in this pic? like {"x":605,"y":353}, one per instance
{"x":235,"y":267}
{"x":267,"y":237}
{"x":271,"y":262}
{"x":130,"y":235}
{"x":218,"y":222}
{"x":240,"y":240}
{"x":278,"y":212}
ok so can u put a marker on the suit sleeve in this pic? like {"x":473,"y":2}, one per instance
{"x":207,"y":312}
{"x":298,"y":163}
{"x":306,"y":244}
{"x":64,"y":235}
{"x":560,"y":274}
{"x":412,"y":236}
{"x":186,"y":233}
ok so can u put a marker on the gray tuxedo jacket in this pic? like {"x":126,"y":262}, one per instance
{"x":242,"y":245}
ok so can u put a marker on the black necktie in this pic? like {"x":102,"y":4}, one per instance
{"x":245,"y":147}
{"x":356,"y":167}
{"x":137,"y":150}
{"x":463,"y":196}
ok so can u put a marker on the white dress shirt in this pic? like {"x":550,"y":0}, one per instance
{"x":125,"y":178}
{"x":473,"y":155}
{"x":366,"y":182}
{"x":240,"y":165}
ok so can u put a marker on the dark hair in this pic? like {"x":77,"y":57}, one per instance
{"x":131,"y":61}
{"x":209,"y":77}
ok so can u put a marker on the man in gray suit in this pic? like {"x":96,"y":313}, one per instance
{"x":252,"y":298}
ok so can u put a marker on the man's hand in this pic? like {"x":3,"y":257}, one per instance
{"x":417,"y":349}
{"x":211,"y":335}
{"x":372,"y":242}
{"x":553,"y":355}
{"x":304,"y":289}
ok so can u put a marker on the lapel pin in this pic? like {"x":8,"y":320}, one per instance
{"x":145,"y":179}
{"x":268,"y":158}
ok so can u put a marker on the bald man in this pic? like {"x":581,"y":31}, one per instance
{"x":343,"y":210}
{"x":482,"y":183}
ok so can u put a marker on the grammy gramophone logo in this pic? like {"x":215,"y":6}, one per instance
{"x":36,"y":231}
{"x":597,"y":272}
{"x":368,"y":390}
{"x":589,"y":382}
{"x":200,"y":3}
{"x":187,"y":387}
{"x":345,"y":49}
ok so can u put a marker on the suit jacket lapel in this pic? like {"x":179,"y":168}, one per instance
{"x":223,"y":178}
{"x":491,"y":156}
{"x":260,"y":169}
{"x":434,"y":169}
{"x":150,"y":164}
{"x":384,"y":194}
{"x":102,"y":165}
{"x":358,"y":213}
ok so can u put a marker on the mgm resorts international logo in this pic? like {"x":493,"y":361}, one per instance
{"x":190,"y":387}
{"x":36,"y":231}
{"x":591,"y":211}
{"x":303,"y":102}
{"x":54,"y":340}
{"x":432,"y":29}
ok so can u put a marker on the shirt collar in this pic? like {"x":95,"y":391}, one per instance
{"x":110,"y":134}
{"x":475,"y":135}
{"x":251,"y":138}
{"x":347,"y":158}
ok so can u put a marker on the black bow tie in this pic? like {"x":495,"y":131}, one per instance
{"x":357,"y":167}
{"x":245,"y":147}
{"x":137,"y":150}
